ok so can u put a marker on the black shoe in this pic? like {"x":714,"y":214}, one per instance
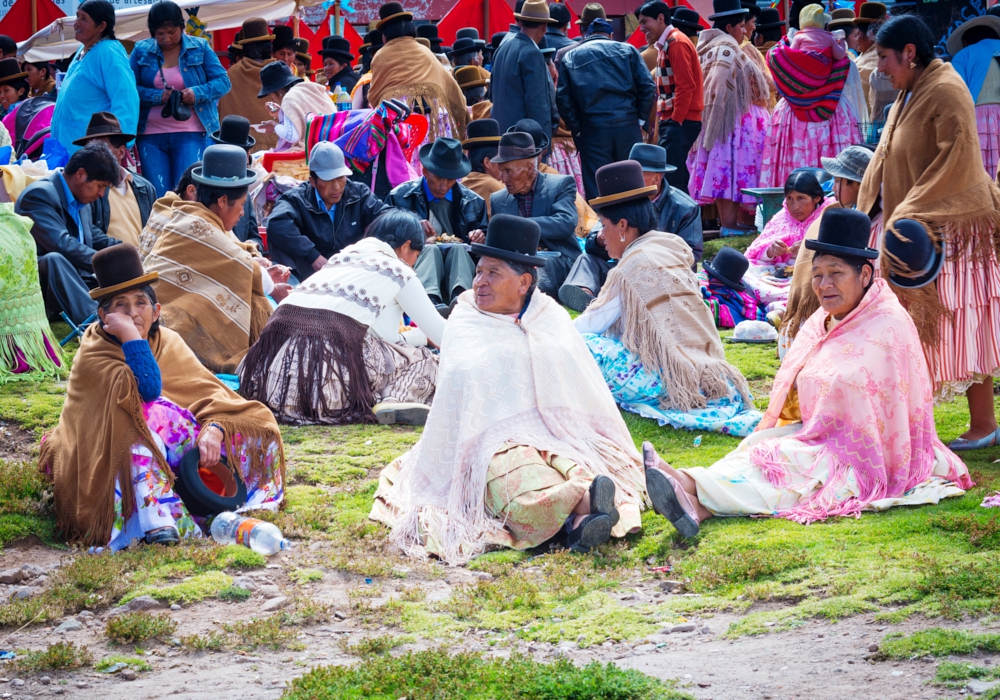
{"x":163,"y":535}
{"x":602,"y":498}
{"x":663,"y":496}
{"x":593,"y":531}
{"x":443,"y":309}
{"x":576,"y":298}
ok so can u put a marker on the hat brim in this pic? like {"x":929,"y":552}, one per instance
{"x":925,"y":279}
{"x":342,"y":56}
{"x":83,"y":141}
{"x":730,"y":13}
{"x":840,"y":24}
{"x":11,"y":78}
{"x":833,"y":166}
{"x":710,"y":269}
{"x":245,"y":181}
{"x":400,"y":16}
{"x":250,"y":143}
{"x":865,"y":21}
{"x":480,"y":140}
{"x":508,"y":255}
{"x":539,"y":20}
{"x":955,"y":40}
{"x":508,"y":159}
{"x":265,"y":91}
{"x":255,"y":39}
{"x":771,"y":25}
{"x":626,"y":196}
{"x":462,"y":52}
{"x":333,"y":173}
{"x":102,"y":292}
{"x":822,"y":247}
{"x":652,"y":169}
{"x":429,"y":165}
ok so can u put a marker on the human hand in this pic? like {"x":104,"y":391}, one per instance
{"x":263,"y":262}
{"x":272,"y":107}
{"x":281,"y":290}
{"x":279,"y":273}
{"x":477,"y":236}
{"x":121,"y":326}
{"x":210,"y":446}
{"x":777,"y":249}
{"x":165,"y":95}
{"x":601,"y":240}
{"x":318,"y":263}
{"x":187,"y":97}
{"x":794,"y":250}
{"x":429,"y":233}
{"x":267,"y":127}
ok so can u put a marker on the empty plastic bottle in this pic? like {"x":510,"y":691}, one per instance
{"x":344,"y":101}
{"x":263,"y":538}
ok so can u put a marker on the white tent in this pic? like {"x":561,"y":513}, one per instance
{"x":57,"y":41}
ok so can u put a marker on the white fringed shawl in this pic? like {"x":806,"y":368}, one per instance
{"x":731,"y":82}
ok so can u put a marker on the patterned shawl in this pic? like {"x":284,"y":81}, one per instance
{"x":210,"y":287}
{"x":728,"y":306}
{"x":532,"y":382}
{"x":666,"y":323}
{"x":102,"y":419}
{"x":810,"y":82}
{"x":783,"y":227}
{"x":242,"y":100}
{"x":732,"y":81}
{"x":865,"y":396}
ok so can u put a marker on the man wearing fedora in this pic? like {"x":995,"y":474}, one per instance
{"x":322,"y":216}
{"x":679,"y":88}
{"x":445,"y":207}
{"x":604,"y":93}
{"x":591,"y":11}
{"x":550,"y":200}
{"x":337,"y":60}
{"x":59,"y":208}
{"x":235,"y":131}
{"x":481,"y":148}
{"x":520,"y":84}
{"x":123,"y":209}
{"x":245,"y":79}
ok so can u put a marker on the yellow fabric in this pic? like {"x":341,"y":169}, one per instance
{"x":15,"y":180}
{"x":125,"y":222}
{"x":790,"y":412}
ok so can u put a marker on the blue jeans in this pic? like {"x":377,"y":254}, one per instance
{"x":165,"y":157}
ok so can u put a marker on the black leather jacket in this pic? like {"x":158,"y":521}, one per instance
{"x":468,"y":209}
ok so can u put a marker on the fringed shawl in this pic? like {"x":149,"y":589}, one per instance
{"x":302,"y":100}
{"x":768,"y":99}
{"x":865,"y":395}
{"x":665,"y":321}
{"x":210,"y":286}
{"x":923,"y":168}
{"x":242,"y":100}
{"x":732,"y":81}
{"x":405,"y":69}
{"x":531,"y":381}
{"x":783,"y":227}
{"x":102,"y":419}
{"x":810,"y":82}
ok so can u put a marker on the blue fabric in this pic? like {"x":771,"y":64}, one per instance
{"x":230,"y":380}
{"x":202,"y":72}
{"x":99,"y":82}
{"x":973,"y":62}
{"x":72,"y":205}
{"x":331,"y":212}
{"x":431,"y":197}
{"x":165,"y":157}
{"x":139,"y":358}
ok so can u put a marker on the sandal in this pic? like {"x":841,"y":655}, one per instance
{"x":594,"y":530}
{"x":602,"y":498}
{"x":166,"y":536}
{"x":669,"y":499}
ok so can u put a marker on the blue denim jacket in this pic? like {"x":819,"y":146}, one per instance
{"x":200,"y":69}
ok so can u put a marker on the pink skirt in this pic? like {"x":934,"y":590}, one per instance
{"x":566,"y":159}
{"x":988,"y":126}
{"x":733,"y":164}
{"x":794,"y":144}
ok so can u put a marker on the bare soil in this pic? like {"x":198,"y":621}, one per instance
{"x":16,"y":443}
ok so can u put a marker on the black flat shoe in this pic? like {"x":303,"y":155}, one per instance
{"x":576,"y":298}
{"x":163,"y":535}
{"x":666,"y":502}
{"x":602,"y":498}
{"x":593,"y":531}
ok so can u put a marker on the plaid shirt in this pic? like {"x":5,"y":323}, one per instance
{"x":663,"y":76}
{"x":526,"y":201}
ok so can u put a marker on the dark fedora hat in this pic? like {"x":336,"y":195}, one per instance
{"x":223,"y":165}
{"x":591,"y":11}
{"x":235,"y":131}
{"x":844,"y":232}
{"x":496,"y":39}
{"x":651,"y":157}
{"x":10,"y":70}
{"x":208,"y":491}
{"x":284,"y":38}
{"x":118,"y":269}
{"x":444,"y":158}
{"x":914,"y":260}
{"x":530,"y":126}
{"x":513,"y":239}
{"x":337,"y":48}
{"x":685,"y":17}
{"x":276,"y":76}
{"x":515,"y":145}
{"x":728,"y":266}
{"x":101,"y":124}
{"x":390,"y":13}
{"x":255,"y":29}
{"x":620,"y":182}
{"x":870,"y":12}
{"x":463,"y":46}
{"x":770,"y":18}
{"x":482,"y":131}
{"x":727,"y":8}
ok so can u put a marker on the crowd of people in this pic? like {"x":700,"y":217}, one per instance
{"x":436,"y":212}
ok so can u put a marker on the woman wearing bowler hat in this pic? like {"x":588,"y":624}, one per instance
{"x":648,"y":330}
{"x":137,"y":402}
{"x":850,"y":422}
{"x":725,"y":292}
{"x":291,"y":101}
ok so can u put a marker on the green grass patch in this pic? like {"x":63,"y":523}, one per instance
{"x":257,"y":632}
{"x":235,"y":594}
{"x":375,"y":646}
{"x":301,"y":576}
{"x":199,"y":587}
{"x":57,"y":657}
{"x":117,"y":660}
{"x":937,"y":641}
{"x":133,"y":627}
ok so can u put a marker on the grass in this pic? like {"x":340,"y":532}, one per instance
{"x":57,"y":657}
{"x":129,"y":628}
{"x":114,"y":662}
{"x":937,"y":642}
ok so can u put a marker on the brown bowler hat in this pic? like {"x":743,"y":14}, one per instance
{"x":102,"y":124}
{"x":620,"y":182}
{"x":10,"y":70}
{"x":392,"y":12}
{"x":869,"y":12}
{"x":470,"y":77}
{"x":118,"y":269}
{"x":255,"y":29}
{"x":840,"y":19}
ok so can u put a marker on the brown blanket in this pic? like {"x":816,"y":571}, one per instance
{"x":242,"y":100}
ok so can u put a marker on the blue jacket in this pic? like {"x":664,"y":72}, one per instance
{"x":554,"y":210}
{"x":200,"y":69}
{"x":521,"y":86}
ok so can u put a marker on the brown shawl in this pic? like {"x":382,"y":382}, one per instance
{"x":923,"y":167}
{"x":768,"y":99}
{"x":731,"y":82}
{"x":242,"y":100}
{"x":867,"y":63}
{"x":483,"y":185}
{"x":666,"y":323}
{"x":405,"y":69}
{"x":210,"y":286}
{"x":102,"y":419}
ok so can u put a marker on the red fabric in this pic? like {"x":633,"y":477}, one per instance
{"x":573,"y":30}
{"x":638,"y":39}
{"x":17,"y":22}
{"x":469,"y":13}
{"x":686,"y":99}
{"x":315,"y":39}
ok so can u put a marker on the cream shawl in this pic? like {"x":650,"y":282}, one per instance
{"x":300,"y":101}
{"x":666,"y":323}
{"x":732,"y":81}
{"x":532,"y":382}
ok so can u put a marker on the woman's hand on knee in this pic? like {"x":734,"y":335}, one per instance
{"x":210,"y":446}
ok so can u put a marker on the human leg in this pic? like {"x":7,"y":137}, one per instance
{"x":64,"y":289}
{"x":430,"y":271}
{"x":675,"y":497}
{"x":584,"y":281}
{"x":185,"y":148}
{"x":459,"y":270}
{"x":553,"y":275}
{"x":154,"y":159}
{"x":677,"y":140}
{"x":982,"y":416}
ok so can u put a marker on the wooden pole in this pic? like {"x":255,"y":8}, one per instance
{"x":486,"y":20}
{"x":336,"y":19}
{"x":788,"y":12}
{"x":34,"y":16}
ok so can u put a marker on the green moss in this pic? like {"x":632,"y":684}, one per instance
{"x":301,"y":576}
{"x":199,"y":587}
{"x":113,"y":660}
{"x":597,"y":617}
{"x":133,"y":627}
{"x":937,"y":642}
{"x":58,"y":656}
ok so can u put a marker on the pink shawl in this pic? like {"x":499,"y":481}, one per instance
{"x":865,"y":395}
{"x":782,"y":227}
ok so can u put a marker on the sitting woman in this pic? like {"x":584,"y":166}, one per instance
{"x":523,"y":439}
{"x":653,"y":338}
{"x":334,"y":351}
{"x":850,"y":425}
{"x":772,"y":254}
{"x":137,"y":401}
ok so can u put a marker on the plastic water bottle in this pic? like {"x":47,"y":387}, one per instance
{"x":335,"y":94}
{"x":263,"y":538}
{"x":344,"y":101}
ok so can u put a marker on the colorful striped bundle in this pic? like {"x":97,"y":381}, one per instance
{"x":810,"y":82}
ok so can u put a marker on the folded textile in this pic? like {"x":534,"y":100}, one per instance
{"x":810,"y":82}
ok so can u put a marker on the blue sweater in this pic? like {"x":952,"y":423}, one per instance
{"x":973,"y":62}
{"x":140,"y":360}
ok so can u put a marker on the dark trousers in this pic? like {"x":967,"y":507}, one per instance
{"x":589,"y":272}
{"x":678,"y":139}
{"x":552,"y":276}
{"x":600,"y":145}
{"x":63,"y":289}
{"x":444,"y":271}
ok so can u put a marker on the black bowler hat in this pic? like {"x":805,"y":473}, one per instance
{"x":10,"y":70}
{"x":515,"y":145}
{"x":513,"y":239}
{"x":683,"y":17}
{"x":337,"y":48}
{"x":391,"y":13}
{"x":496,"y":39}
{"x":769,"y":19}
{"x":728,"y":266}
{"x":235,"y":130}
{"x":276,"y":76}
{"x":752,"y":7}
{"x":118,"y":269}
{"x":620,"y":182}
{"x":470,"y":33}
{"x":373,"y":41}
{"x":727,"y":8}
{"x":284,"y":38}
{"x":914,"y":260}
{"x":224,"y":166}
{"x":651,"y":157}
{"x":844,"y":232}
{"x":482,"y":132}
{"x":430,"y":32}
{"x":463,"y":46}
{"x":444,"y":158}
{"x":208,"y":491}
{"x":530,"y":126}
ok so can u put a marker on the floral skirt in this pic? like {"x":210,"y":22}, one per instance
{"x":795,"y":144}
{"x":566,"y":159}
{"x":175,"y":431}
{"x":988,"y":126}
{"x":641,"y":392}
{"x":732,"y":164}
